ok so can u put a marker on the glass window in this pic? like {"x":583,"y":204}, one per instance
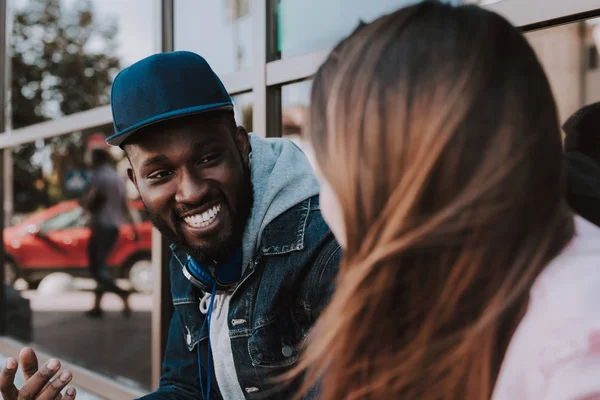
{"x":218,"y":30}
{"x":304,"y":26}
{"x":560,"y":49}
{"x":66,"y":53}
{"x":295,"y":100}
{"x":243,"y":105}
{"x":47,"y":265}
{"x":567,"y":53}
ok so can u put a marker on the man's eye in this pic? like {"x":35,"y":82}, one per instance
{"x":208,"y":158}
{"x":160,"y":174}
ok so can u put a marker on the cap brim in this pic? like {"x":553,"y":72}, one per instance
{"x":118,"y":138}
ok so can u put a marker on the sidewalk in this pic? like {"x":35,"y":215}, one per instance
{"x":114,"y":346}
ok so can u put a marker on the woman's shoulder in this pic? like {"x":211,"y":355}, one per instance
{"x":555,"y":351}
{"x":570,"y":284}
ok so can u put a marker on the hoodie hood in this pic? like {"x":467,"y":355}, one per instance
{"x":281,"y":177}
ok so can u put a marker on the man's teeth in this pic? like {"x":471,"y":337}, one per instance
{"x":204,"y":219}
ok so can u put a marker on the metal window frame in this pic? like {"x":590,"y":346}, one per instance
{"x":264,"y":79}
{"x":62,"y":126}
{"x":162,"y":306}
{"x":534,"y":14}
{"x":259,"y":86}
{"x":3,"y":92}
{"x":293,"y":69}
{"x":240,"y":81}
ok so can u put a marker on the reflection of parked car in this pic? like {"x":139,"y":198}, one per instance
{"x":55,"y":240}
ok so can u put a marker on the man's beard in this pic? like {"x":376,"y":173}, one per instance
{"x":223,"y":247}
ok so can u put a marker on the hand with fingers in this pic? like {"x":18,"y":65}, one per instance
{"x":39,"y":384}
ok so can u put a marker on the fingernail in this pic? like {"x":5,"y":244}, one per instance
{"x":71,"y":391}
{"x":11,"y":364}
{"x":65,"y":376}
{"x":52,"y":364}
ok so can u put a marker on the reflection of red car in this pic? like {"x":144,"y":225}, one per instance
{"x":55,"y":240}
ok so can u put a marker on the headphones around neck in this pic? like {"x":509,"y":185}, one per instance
{"x":220,"y":277}
{"x":223,"y":276}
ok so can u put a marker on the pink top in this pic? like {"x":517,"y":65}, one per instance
{"x":555,"y":351}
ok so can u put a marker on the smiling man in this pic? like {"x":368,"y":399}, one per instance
{"x":253,"y":261}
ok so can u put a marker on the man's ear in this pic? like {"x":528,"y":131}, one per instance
{"x":131,"y":176}
{"x":242,"y":142}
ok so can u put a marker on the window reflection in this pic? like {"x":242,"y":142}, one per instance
{"x":65,"y":53}
{"x":311,"y":25}
{"x":569,"y":55}
{"x":47,"y":263}
{"x":304,"y":26}
{"x":243,"y":105}
{"x":295,"y":101}
{"x":218,"y":30}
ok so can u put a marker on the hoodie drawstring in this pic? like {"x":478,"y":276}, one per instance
{"x":206,"y":322}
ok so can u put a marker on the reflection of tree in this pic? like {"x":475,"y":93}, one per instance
{"x":63,"y":61}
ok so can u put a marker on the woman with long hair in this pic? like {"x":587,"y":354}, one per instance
{"x":465,"y":274}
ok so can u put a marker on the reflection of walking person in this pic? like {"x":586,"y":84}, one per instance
{"x":106,"y":202}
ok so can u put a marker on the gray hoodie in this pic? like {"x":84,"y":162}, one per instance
{"x":281,"y":177}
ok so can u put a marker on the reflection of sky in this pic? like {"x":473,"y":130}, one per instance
{"x":202,"y":26}
{"x":139,"y":26}
{"x":312,"y":25}
{"x":296,"y":94}
{"x":302,"y":29}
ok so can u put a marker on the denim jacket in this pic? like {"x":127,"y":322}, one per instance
{"x":272,"y":309}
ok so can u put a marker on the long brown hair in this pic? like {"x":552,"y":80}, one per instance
{"x":437,"y":130}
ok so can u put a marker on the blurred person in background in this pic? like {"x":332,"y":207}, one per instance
{"x":582,"y":149}
{"x":465,"y":274}
{"x":106,"y":202}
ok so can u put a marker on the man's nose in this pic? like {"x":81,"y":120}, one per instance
{"x":191,"y":188}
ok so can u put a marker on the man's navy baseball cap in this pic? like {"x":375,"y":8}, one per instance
{"x":161,"y":87}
